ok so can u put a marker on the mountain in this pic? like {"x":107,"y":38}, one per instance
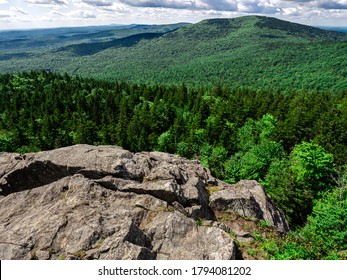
{"x":92,"y":48}
{"x":334,"y":28}
{"x":253,"y":51}
{"x":88,"y":202}
{"x":41,"y":39}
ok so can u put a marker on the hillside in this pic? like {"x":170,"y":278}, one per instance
{"x":40,"y":39}
{"x":259,"y":52}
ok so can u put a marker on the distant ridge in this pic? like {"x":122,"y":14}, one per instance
{"x":300,"y":29}
{"x":56,"y":37}
{"x":92,"y":48}
{"x":253,"y":51}
{"x":260,"y":23}
{"x":334,"y":28}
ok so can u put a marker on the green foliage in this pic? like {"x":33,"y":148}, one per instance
{"x":214,"y":159}
{"x":199,"y":222}
{"x":312,"y":165}
{"x":324,"y":236}
{"x":266,"y":126}
{"x":7,"y":140}
{"x":257,"y":150}
{"x":258,"y":52}
{"x":164,"y":141}
{"x":278,"y":181}
{"x":257,"y":235}
{"x":329,"y":221}
{"x":302,"y":177}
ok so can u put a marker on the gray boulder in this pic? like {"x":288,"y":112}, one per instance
{"x":248,"y":199}
{"x":87,"y":202}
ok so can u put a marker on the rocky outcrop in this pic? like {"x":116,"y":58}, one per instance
{"x":87,"y":202}
{"x":248,"y":199}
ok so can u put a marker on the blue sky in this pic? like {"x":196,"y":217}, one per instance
{"x":19,"y":14}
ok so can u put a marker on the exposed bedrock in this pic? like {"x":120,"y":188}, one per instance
{"x":103,"y":202}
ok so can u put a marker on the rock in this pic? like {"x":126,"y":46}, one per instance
{"x":248,"y":198}
{"x":41,"y":255}
{"x":177,"y":237}
{"x":87,"y":202}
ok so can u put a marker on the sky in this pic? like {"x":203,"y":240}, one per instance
{"x":23,"y":14}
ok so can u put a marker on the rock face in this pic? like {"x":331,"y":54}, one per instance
{"x":248,"y":199}
{"x":87,"y":202}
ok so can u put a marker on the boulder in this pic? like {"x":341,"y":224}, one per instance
{"x":88,"y":202}
{"x":177,"y":237}
{"x":248,"y":199}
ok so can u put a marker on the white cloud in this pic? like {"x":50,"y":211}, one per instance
{"x":323,"y":4}
{"x":71,"y":12}
{"x":97,"y":3}
{"x":244,"y":6}
{"x":18,"y":10}
{"x":47,"y":2}
{"x":81,"y":14}
{"x":333,"y":5}
{"x":291,"y":11}
{"x":170,"y":4}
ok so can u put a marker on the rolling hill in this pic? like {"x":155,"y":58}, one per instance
{"x":34,"y":39}
{"x":253,"y":51}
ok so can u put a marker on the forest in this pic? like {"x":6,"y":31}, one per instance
{"x":251,"y":51}
{"x":293,"y":143}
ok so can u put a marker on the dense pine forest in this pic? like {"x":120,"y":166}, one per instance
{"x":294,"y":143}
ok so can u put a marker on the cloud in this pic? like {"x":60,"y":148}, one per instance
{"x":222,"y":5}
{"x":47,"y":2}
{"x":247,"y":6}
{"x":333,"y":5}
{"x":18,"y":10}
{"x":5,"y":16}
{"x":82,"y":14}
{"x":170,"y":4}
{"x":323,"y":4}
{"x":257,"y":6}
{"x":97,"y":3}
{"x":300,"y":1}
{"x":77,"y":14}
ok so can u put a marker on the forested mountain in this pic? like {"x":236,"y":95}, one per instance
{"x":253,"y":51}
{"x":40,"y":39}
